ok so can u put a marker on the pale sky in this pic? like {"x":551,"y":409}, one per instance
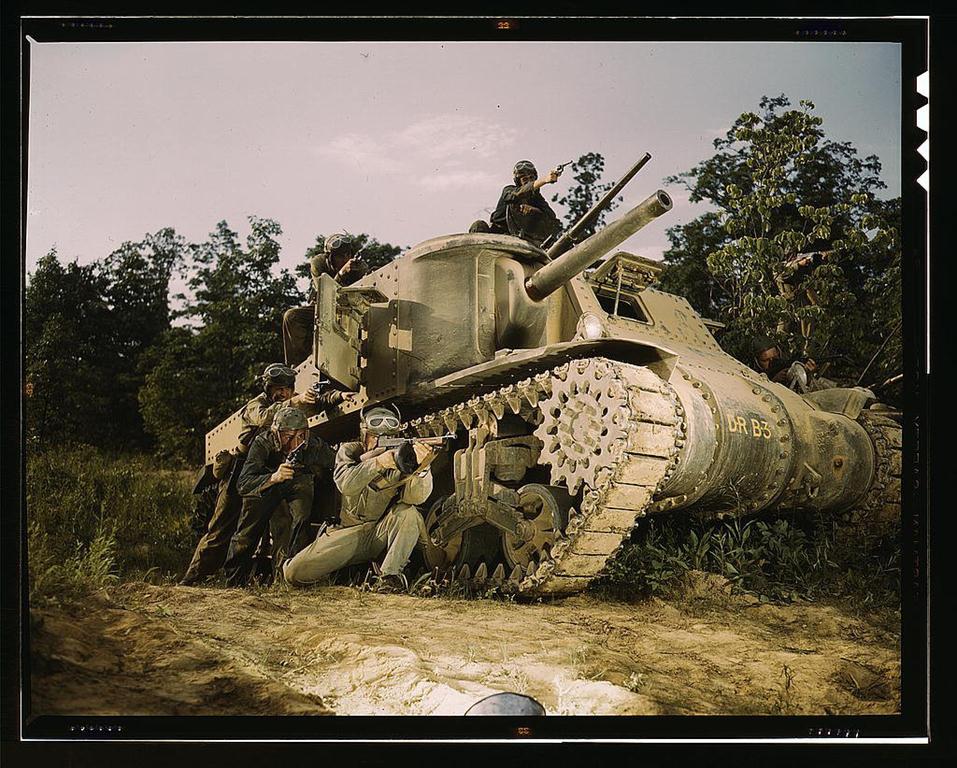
{"x":405,"y":141}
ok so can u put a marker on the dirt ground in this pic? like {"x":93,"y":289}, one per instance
{"x":145,"y":649}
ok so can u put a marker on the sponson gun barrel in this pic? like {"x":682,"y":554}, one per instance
{"x":552,"y":276}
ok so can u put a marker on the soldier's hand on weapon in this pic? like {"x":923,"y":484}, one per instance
{"x":810,"y":365}
{"x":558,"y":169}
{"x":386,"y":460}
{"x":286,"y":471}
{"x":422,"y":452}
{"x":553,"y":176}
{"x":309,"y":396}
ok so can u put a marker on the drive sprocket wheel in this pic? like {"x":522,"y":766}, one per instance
{"x":583,"y":424}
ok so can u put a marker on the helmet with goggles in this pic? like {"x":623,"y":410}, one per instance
{"x":337,"y":242}
{"x":524,"y":168}
{"x":381,"y":420}
{"x":278,"y":375}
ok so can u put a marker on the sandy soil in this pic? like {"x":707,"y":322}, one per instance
{"x":142,"y":648}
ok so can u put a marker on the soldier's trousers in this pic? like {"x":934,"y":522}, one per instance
{"x":396,"y":534}
{"x":298,"y":325}
{"x":257,"y":513}
{"x":211,"y":550}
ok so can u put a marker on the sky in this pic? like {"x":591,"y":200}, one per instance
{"x":403,"y":141}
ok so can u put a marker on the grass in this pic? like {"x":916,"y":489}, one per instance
{"x":93,"y":517}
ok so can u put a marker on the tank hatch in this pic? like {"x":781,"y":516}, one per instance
{"x":635,"y":273}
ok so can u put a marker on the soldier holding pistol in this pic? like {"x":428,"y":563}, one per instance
{"x":278,"y":468}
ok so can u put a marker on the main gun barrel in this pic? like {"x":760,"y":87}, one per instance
{"x":553,"y":275}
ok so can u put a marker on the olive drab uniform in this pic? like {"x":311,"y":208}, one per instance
{"x":259,"y":504}
{"x":210,"y":553}
{"x":535,"y":227}
{"x":298,"y":323}
{"x":379,"y":514}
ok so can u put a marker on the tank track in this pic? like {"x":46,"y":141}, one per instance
{"x":881,"y":507}
{"x":611,"y":427}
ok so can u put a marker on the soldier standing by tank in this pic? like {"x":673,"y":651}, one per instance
{"x":338,"y":260}
{"x":380,"y":489}
{"x":521,"y":209}
{"x":278,"y":383}
{"x":279,"y":468}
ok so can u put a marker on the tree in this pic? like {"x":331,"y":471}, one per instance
{"x":137,"y":278}
{"x":779,"y":190}
{"x":68,"y":335}
{"x":203,"y":370}
{"x":587,"y":190}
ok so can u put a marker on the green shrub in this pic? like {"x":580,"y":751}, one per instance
{"x":92,"y":515}
{"x":784,"y":558}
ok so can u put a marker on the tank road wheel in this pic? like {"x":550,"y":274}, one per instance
{"x":469,"y":547}
{"x":546,"y":508}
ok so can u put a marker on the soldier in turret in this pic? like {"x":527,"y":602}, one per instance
{"x":339,"y":260}
{"x":380,"y":490}
{"x":279,"y":467}
{"x":278,"y":382}
{"x":521,"y":208}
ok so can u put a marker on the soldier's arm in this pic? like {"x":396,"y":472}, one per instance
{"x":516,"y":194}
{"x":352,"y":475}
{"x":255,"y":475}
{"x":260,"y":414}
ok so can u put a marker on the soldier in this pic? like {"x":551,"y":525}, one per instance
{"x":797,"y":374}
{"x":339,"y":260}
{"x":270,"y":475}
{"x":380,"y":489}
{"x":521,"y":209}
{"x":278,"y":383}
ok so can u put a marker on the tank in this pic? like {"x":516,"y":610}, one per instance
{"x":579,"y":404}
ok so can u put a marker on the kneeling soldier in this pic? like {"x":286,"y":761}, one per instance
{"x":380,"y":489}
{"x":279,"y":467}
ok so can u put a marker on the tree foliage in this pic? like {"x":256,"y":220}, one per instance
{"x":586,"y":191}
{"x":87,"y":329}
{"x":779,"y":189}
{"x":206,"y":368}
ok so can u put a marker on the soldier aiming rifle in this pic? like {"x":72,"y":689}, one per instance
{"x":383,"y":478}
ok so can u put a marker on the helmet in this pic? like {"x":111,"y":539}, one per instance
{"x":506,"y":703}
{"x":278,"y":375}
{"x":522,"y":167}
{"x":337,"y":242}
{"x":381,"y":420}
{"x":760,"y":344}
{"x":288,"y":418}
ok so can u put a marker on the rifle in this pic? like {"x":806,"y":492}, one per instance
{"x":405,"y":460}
